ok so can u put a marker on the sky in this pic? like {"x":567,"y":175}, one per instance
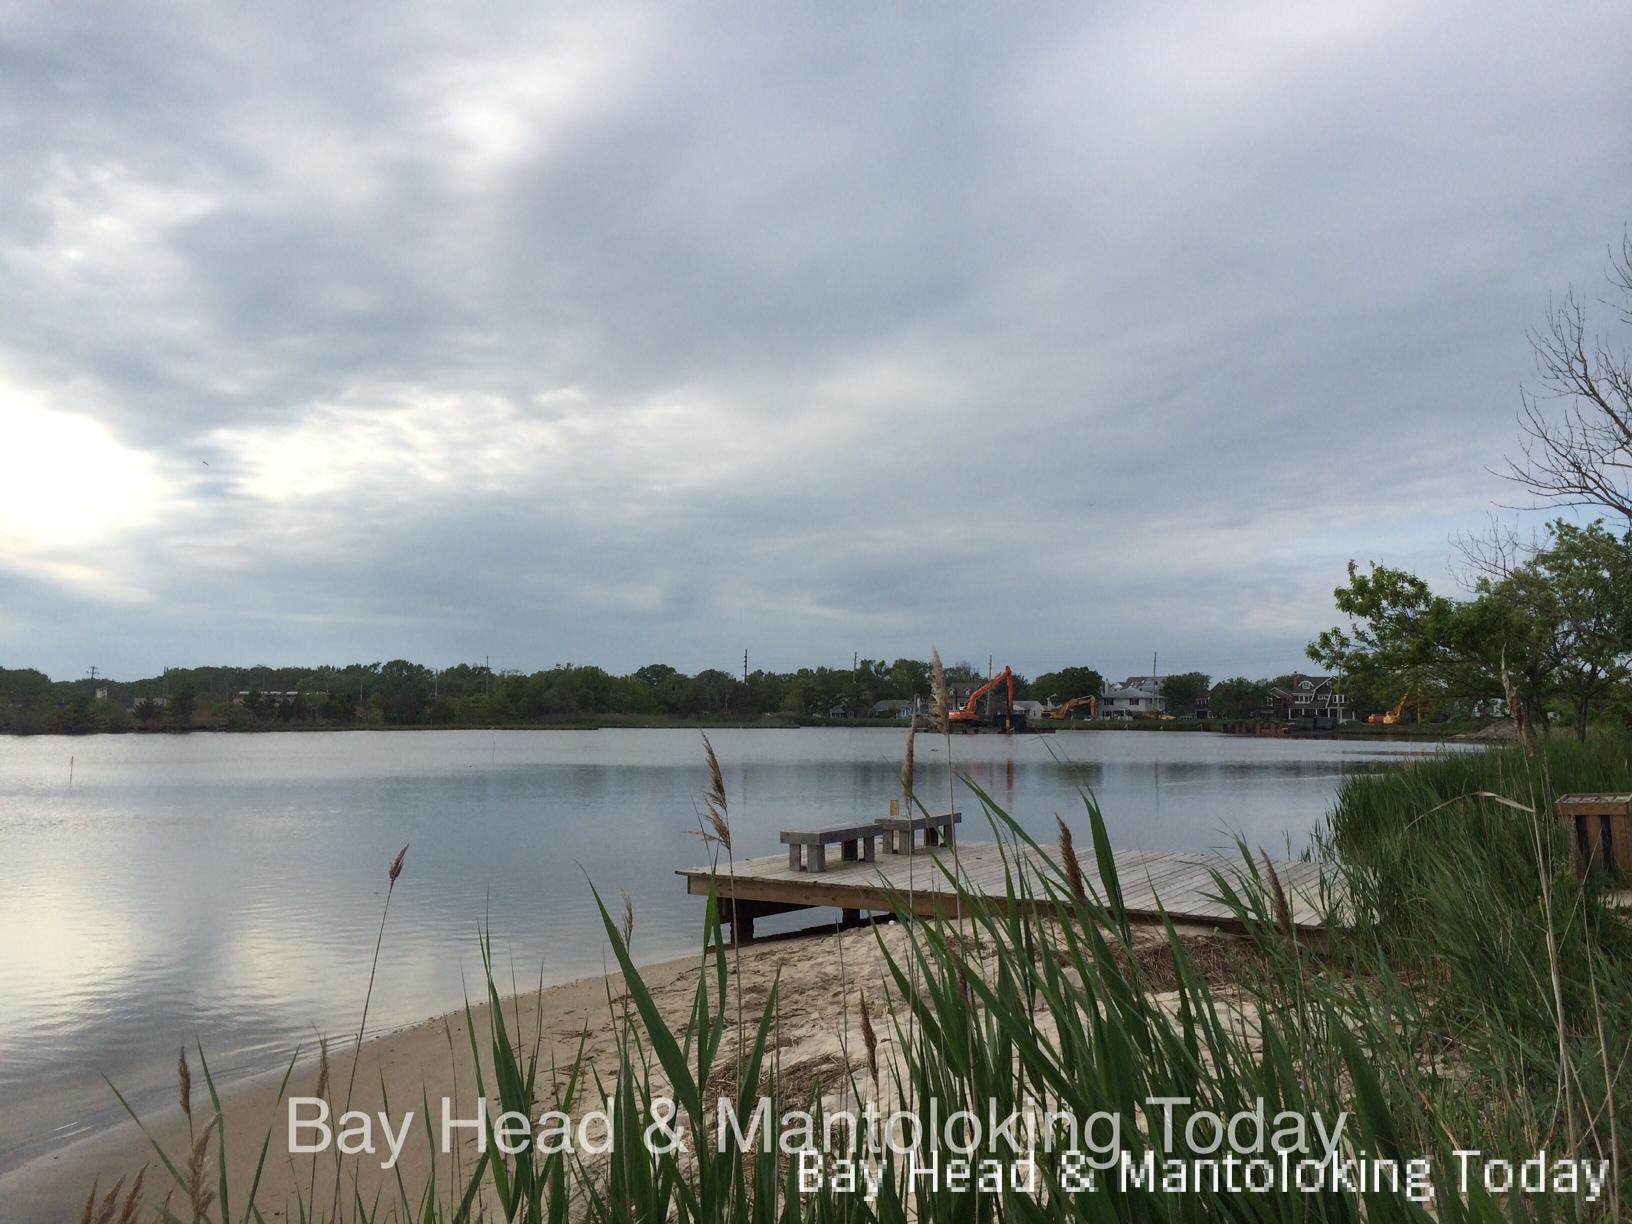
{"x":622,"y":332}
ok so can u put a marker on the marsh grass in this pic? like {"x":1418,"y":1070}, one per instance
{"x":1475,"y":996}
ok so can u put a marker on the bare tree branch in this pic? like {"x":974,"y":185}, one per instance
{"x":1576,"y":424}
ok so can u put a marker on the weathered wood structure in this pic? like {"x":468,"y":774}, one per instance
{"x":1600,"y":831}
{"x":1180,"y":883}
{"x":807,"y":848}
{"x":901,"y":832}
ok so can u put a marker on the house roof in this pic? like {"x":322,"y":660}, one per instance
{"x":1305,"y":684}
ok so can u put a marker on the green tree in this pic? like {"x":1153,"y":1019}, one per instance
{"x":1180,"y":691}
{"x":1239,"y":698}
{"x":183,"y":697}
{"x":403,"y":692}
{"x":1068,"y":682}
{"x":1575,"y":598}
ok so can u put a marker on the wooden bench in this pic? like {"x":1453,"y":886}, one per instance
{"x":1600,"y":830}
{"x":855,"y":842}
{"x":900,"y":831}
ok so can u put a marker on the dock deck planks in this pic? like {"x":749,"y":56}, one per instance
{"x":1180,"y":883}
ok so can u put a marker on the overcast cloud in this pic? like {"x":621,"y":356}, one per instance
{"x":623,"y":332}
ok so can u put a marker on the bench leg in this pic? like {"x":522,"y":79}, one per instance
{"x":869,"y":849}
{"x":849,"y":852}
{"x":949,"y":835}
{"x":932,"y":836}
{"x":818,"y":858}
{"x":793,"y":858}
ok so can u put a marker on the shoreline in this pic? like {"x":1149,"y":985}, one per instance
{"x":1438,"y":734}
{"x":819,"y":1045}
{"x":54,"y":1184}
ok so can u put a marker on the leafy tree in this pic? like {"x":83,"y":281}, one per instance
{"x":403,"y":692}
{"x":711,"y":691}
{"x":1402,"y":634}
{"x":1180,"y":691}
{"x":653,"y":675}
{"x":1239,"y":698}
{"x":1068,"y":682}
{"x":909,"y":678}
{"x":1575,"y":596}
{"x":183,"y":697}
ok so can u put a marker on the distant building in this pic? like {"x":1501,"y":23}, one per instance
{"x":1033,"y":710}
{"x":272,"y":695}
{"x":900,"y":707}
{"x":1311,"y":701}
{"x":1135,"y":697}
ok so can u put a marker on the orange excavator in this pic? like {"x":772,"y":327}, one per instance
{"x":970,"y":712}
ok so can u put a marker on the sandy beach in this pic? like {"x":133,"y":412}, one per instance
{"x":433,"y":1058}
{"x":822,"y":979}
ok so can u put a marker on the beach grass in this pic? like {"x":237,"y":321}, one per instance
{"x":1469,"y":993}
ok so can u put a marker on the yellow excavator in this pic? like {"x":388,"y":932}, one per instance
{"x":1389,"y":717}
{"x":1063,"y":711}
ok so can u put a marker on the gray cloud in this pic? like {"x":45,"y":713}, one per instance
{"x":624,"y":333}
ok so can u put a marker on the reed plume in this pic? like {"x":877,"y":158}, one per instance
{"x":939,"y":703}
{"x":714,"y":803}
{"x":90,"y":1215}
{"x":628,"y":918}
{"x":907,"y":764}
{"x":1283,"y":911}
{"x":1068,"y":859}
{"x":133,"y":1200}
{"x":199,"y":1195}
{"x":869,"y":1039}
{"x":185,"y":1076}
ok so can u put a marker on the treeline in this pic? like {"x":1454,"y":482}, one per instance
{"x":405,"y":694}
{"x":402,"y":693}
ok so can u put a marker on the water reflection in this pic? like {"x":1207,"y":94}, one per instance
{"x":227,"y":887}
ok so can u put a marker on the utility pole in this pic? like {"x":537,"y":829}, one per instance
{"x":745,"y":667}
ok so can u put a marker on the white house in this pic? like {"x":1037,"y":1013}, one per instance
{"x":1135,"y":697}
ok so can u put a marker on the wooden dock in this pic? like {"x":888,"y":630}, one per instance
{"x":1180,"y":883}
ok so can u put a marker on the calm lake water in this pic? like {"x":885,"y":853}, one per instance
{"x":229,"y":887}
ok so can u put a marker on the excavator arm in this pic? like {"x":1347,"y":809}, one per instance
{"x":969,"y":711}
{"x":1076,"y":703}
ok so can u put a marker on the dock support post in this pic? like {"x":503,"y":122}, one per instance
{"x":850,"y":917}
{"x":741,"y":915}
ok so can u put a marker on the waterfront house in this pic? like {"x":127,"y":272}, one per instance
{"x":1135,"y":697}
{"x":1311,"y":702}
{"x":900,"y":707}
